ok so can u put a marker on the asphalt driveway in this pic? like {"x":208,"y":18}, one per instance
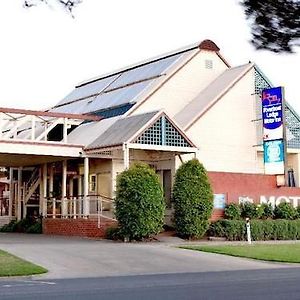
{"x":67,"y":257}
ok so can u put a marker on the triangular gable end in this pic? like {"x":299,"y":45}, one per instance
{"x":163,"y":133}
{"x":292,"y":118}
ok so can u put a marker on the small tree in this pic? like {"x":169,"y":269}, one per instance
{"x":193,"y":200}
{"x":140,"y":205}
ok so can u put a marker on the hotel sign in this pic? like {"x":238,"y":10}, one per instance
{"x":272,"y":114}
{"x":273,"y":130}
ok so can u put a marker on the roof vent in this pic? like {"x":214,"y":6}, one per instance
{"x":209,"y":45}
{"x":208,"y":64}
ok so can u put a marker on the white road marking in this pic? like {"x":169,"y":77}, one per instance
{"x":28,"y":283}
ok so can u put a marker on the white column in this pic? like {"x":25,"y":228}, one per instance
{"x":44,"y":190}
{"x":51,"y":176}
{"x":80,"y":195}
{"x":126,"y":156}
{"x":64,"y":207}
{"x":19,"y":196}
{"x":86,"y":210}
{"x":65,"y":130}
{"x":41,"y":191}
{"x":11,"y":192}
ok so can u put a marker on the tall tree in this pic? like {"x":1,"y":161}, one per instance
{"x":275,"y":24}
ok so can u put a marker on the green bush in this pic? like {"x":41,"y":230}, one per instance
{"x":140,"y":205}
{"x":235,"y":230}
{"x":35,"y":228}
{"x":113,"y":233}
{"x":267,"y":211}
{"x":28,"y":225}
{"x":285,"y":211}
{"x":8,"y":227}
{"x":193,"y":200}
{"x":251,"y":210}
{"x":232,"y":211}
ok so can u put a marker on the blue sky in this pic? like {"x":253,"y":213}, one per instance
{"x":44,"y":52}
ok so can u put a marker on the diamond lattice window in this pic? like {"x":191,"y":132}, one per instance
{"x":163,"y":133}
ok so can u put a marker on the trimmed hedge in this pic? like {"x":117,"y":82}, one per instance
{"x":140,"y":204}
{"x":235,"y":230}
{"x":193,"y":200}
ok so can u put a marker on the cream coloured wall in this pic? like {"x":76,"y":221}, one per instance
{"x":226,"y":134}
{"x":184,"y":85}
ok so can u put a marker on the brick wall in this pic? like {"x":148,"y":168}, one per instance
{"x":236,"y":185}
{"x":77,"y":227}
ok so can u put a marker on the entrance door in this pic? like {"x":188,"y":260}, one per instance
{"x":167,"y":185}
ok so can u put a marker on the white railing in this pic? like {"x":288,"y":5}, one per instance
{"x":74,"y":207}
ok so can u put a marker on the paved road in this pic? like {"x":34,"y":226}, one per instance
{"x":77,"y":258}
{"x":275,"y":284}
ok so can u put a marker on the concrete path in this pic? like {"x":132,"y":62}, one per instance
{"x":67,"y":257}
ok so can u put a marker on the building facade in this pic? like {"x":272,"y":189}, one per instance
{"x":188,"y":103}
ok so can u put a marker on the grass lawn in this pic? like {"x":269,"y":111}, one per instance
{"x":11,"y":265}
{"x":275,"y":252}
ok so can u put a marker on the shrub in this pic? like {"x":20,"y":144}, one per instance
{"x":232,"y":211}
{"x":28,"y":225}
{"x":35,"y":228}
{"x":8,"y":227}
{"x":140,"y":205}
{"x":267,"y":211}
{"x":251,"y":210}
{"x":113,"y":233}
{"x":193,"y":200}
{"x":260,"y":229}
{"x":285,"y":211}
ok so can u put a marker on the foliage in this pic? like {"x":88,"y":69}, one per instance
{"x":140,"y":205}
{"x":268,"y":211}
{"x":275,"y":24}
{"x":28,"y":225}
{"x":285,"y":210}
{"x":232,"y":211}
{"x":251,"y":210}
{"x":279,"y":252}
{"x":114,"y":233}
{"x":235,"y":230}
{"x":193,"y":200}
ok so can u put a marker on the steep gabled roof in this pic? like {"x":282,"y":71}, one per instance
{"x":210,"y":95}
{"x":152,"y":128}
{"x":121,"y":89}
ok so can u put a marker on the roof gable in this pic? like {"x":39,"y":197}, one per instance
{"x":210,"y":95}
{"x":154,"y":128}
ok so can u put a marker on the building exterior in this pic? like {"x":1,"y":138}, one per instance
{"x":184,"y":104}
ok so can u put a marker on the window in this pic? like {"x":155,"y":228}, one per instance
{"x":93,"y":183}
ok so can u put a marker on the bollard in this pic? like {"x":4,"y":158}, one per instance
{"x":248,"y":230}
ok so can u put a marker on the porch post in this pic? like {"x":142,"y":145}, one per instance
{"x":51,"y":175}
{"x":19,"y":196}
{"x":11,"y":191}
{"x":64,"y":211}
{"x":41,"y":202}
{"x":80,"y":195}
{"x":44,"y":190}
{"x":86,"y":209}
{"x":126,"y":156}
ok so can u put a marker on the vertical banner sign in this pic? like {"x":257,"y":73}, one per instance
{"x":273,"y":130}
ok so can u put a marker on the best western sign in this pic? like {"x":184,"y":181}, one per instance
{"x":273,"y":130}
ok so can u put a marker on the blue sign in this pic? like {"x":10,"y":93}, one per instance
{"x":219,"y":201}
{"x":272,"y":113}
{"x":273,"y":151}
